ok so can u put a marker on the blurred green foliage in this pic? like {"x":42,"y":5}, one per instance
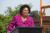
{"x":5,"y":20}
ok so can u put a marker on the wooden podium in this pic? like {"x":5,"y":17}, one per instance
{"x":27,"y":30}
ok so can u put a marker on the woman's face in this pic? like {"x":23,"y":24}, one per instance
{"x":25,"y":11}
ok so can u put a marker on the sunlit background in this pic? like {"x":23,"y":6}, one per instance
{"x":13,"y":3}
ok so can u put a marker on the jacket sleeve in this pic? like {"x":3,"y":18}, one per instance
{"x":12,"y":24}
{"x":32,"y":22}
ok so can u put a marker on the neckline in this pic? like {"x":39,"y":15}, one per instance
{"x":24,"y":21}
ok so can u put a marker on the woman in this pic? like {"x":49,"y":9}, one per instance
{"x":22,"y":20}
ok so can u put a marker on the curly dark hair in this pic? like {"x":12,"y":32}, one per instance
{"x":23,"y":6}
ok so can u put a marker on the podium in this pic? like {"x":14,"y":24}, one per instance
{"x":27,"y":30}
